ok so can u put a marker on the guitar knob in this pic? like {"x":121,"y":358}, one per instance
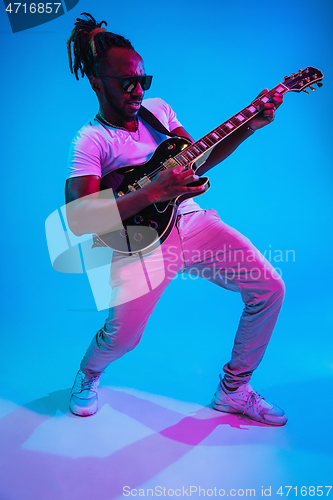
{"x":138,"y":219}
{"x":153,"y":225}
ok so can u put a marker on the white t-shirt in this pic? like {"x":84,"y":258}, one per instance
{"x":98,"y":149}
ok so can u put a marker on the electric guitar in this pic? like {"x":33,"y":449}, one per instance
{"x":151,"y":226}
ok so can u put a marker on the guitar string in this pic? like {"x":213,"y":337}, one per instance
{"x":286,"y":83}
{"x":158,"y":170}
{"x":255,"y":102}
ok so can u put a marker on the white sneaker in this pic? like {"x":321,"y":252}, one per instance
{"x":83,"y":401}
{"x":247,"y":401}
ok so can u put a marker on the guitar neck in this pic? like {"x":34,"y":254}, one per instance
{"x":210,"y":140}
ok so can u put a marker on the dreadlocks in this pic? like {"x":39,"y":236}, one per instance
{"x":90,"y":44}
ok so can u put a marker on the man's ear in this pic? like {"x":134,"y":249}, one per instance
{"x":96,"y":84}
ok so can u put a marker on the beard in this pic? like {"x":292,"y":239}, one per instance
{"x":120,"y":107}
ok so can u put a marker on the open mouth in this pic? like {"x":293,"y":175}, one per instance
{"x":134,"y":104}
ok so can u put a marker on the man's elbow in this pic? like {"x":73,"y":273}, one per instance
{"x":75,"y":222}
{"x":74,"y":226}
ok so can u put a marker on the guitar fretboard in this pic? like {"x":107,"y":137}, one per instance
{"x":197,"y":149}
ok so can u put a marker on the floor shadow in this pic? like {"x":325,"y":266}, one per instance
{"x":173,"y":436}
{"x":46,"y":475}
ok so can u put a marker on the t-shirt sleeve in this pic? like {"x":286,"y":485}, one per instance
{"x":84,"y":156}
{"x":163,"y":112}
{"x":173,"y":121}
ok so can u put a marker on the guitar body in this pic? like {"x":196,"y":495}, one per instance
{"x":147,"y":229}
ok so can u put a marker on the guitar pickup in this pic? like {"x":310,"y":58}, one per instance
{"x":143,"y":181}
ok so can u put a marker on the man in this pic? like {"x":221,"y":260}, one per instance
{"x":118,"y":136}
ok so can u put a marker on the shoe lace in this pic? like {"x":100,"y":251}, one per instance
{"x":254,"y":400}
{"x":89,"y":384}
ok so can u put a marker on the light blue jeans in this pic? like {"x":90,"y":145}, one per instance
{"x":202,"y":245}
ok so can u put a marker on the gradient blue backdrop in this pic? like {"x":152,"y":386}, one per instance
{"x":209,"y":60}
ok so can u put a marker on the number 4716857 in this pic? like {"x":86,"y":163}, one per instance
{"x":33,"y":8}
{"x":305,"y":490}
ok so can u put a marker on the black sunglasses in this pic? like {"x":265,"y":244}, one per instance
{"x":129,"y":83}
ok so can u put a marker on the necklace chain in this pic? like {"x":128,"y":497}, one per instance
{"x":102,"y":120}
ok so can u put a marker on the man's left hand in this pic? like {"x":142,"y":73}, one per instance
{"x":267,"y":111}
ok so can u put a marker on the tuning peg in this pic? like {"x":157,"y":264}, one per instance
{"x":300,"y":71}
{"x":320,"y":84}
{"x":286,"y":77}
{"x":312,"y":88}
{"x":305,"y":91}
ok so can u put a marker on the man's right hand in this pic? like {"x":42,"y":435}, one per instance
{"x":171,"y":183}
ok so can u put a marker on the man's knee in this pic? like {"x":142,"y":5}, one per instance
{"x":119,"y":343}
{"x":276,"y":286}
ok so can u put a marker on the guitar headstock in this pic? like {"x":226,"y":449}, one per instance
{"x":304,"y":78}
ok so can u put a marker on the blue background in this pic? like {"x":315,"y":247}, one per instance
{"x":209,"y":60}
